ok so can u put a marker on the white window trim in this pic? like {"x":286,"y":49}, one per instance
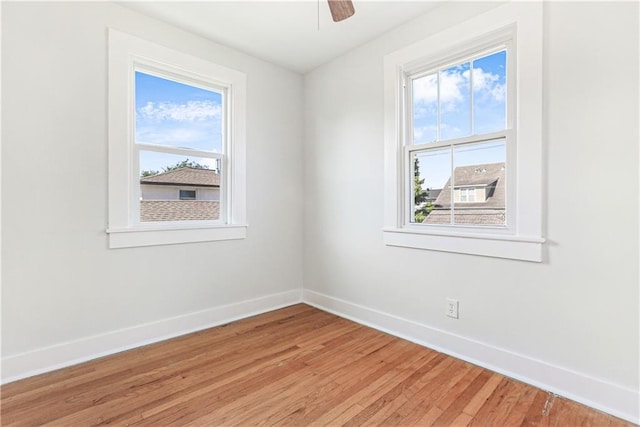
{"x":124,"y":229}
{"x":523,"y":239}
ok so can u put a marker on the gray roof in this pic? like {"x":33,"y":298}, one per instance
{"x":488,"y":212}
{"x":478,"y":174}
{"x":186,"y":176}
{"x":179,"y":210}
{"x":432,"y":193}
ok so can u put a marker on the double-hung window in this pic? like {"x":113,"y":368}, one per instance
{"x":463,"y":122}
{"x":176,"y":146}
{"x":459,"y":131}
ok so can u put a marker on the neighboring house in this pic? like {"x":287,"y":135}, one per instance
{"x":184,"y":194}
{"x":181,"y":184}
{"x":432,"y":194}
{"x":478,"y":197}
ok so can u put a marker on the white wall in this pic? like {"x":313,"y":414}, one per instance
{"x":65,"y":296}
{"x":569,"y":324}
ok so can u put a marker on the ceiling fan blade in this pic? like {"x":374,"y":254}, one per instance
{"x":341,"y":9}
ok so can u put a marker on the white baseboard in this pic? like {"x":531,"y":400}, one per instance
{"x":47,"y":359}
{"x":605,"y":396}
{"x":602,"y":395}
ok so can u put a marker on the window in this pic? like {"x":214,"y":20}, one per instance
{"x":459,"y":131}
{"x":188,"y":195}
{"x":179,"y":140}
{"x":175,"y":121}
{"x":463,"y":121}
{"x":465,"y":194}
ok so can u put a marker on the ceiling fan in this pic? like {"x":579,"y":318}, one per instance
{"x":341,"y":9}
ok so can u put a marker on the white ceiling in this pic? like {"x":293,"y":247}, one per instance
{"x":296,"y":34}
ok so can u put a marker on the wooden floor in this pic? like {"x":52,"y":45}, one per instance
{"x":297,"y":366}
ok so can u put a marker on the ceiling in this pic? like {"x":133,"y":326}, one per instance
{"x":296,"y":34}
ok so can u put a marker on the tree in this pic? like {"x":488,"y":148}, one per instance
{"x":183,"y":164}
{"x":422,"y":207}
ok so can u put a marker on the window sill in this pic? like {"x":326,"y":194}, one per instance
{"x":169,"y":235}
{"x":490,"y":245}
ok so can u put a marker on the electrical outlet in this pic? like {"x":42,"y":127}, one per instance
{"x":452,"y":308}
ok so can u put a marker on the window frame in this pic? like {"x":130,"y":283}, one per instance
{"x":500,"y":40}
{"x":181,"y":190}
{"x":169,"y":72}
{"x":467,"y":192}
{"x":128,"y":54}
{"x":521,"y":238}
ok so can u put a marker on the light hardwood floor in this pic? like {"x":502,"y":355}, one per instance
{"x":297,"y":366}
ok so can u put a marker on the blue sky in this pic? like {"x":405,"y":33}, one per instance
{"x":178,"y":115}
{"x":453,"y":85}
{"x":181,"y":115}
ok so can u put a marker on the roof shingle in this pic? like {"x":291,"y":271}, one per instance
{"x":179,"y":210}
{"x":466,"y":217}
{"x":487,"y":212}
{"x":185,"y":176}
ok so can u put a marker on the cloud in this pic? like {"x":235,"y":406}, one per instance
{"x":425,"y":89}
{"x":453,"y":84}
{"x":454,"y":88}
{"x":488,"y":84}
{"x":189,"y":112}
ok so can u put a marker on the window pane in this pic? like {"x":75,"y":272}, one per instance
{"x":455,"y":102}
{"x":187,"y":194}
{"x":489,"y":93}
{"x":479,"y":184}
{"x":175,"y":188}
{"x":431,"y":170}
{"x":463,"y":194}
{"x":177,"y":114}
{"x":425,"y":109}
